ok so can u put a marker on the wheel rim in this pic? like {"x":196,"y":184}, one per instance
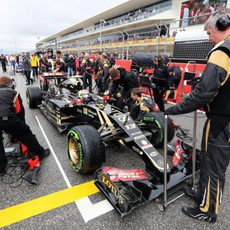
{"x":73,"y":150}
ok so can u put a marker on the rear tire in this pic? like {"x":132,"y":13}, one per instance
{"x":85,"y":148}
{"x":33,"y":96}
{"x":156,"y":121}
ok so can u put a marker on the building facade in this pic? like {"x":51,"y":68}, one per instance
{"x":134,"y":26}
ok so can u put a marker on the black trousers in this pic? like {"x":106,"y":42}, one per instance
{"x":35,"y":71}
{"x":20,"y":130}
{"x":158,"y":98}
{"x":87,"y":81}
{"x":215,"y":156}
{"x":27,"y":74}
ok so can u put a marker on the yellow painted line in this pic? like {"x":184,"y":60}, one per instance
{"x":46,"y":203}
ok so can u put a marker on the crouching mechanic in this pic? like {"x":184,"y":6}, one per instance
{"x":142,"y":104}
{"x":12,"y":122}
{"x":120,"y":78}
{"x":213,"y":94}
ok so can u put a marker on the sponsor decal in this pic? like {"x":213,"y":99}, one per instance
{"x":148,"y":118}
{"x":85,"y":111}
{"x":136,"y":133}
{"x":109,"y":184}
{"x":147,"y":146}
{"x":153,"y":154}
{"x":144,"y":142}
{"x":177,"y":156}
{"x":139,"y":137}
{"x":124,"y":175}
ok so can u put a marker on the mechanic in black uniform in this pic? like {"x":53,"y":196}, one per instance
{"x":12,"y":122}
{"x":87,"y":68}
{"x":120,"y":78}
{"x":213,"y":94}
{"x":161,"y":74}
{"x":174,"y":80}
{"x":142,"y":104}
{"x":104,"y":71}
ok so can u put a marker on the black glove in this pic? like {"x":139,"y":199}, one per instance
{"x":170,"y":111}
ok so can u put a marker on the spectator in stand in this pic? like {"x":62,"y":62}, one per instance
{"x":34,"y":64}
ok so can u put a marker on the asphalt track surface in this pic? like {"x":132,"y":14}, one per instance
{"x":69,"y":216}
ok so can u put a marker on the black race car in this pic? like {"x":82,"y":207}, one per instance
{"x":94,"y":123}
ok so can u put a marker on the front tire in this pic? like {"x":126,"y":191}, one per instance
{"x":155,"y":122}
{"x":85,"y":148}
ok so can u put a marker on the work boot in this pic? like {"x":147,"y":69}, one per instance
{"x":32,"y":175}
{"x":2,"y":172}
{"x":46,"y":154}
{"x":196,"y":213}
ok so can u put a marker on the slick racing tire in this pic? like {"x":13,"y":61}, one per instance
{"x":155,"y":121}
{"x":33,"y":96}
{"x":86,"y":150}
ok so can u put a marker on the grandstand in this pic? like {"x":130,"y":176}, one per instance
{"x":147,"y":25}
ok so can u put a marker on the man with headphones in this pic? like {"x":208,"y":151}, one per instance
{"x":213,"y":94}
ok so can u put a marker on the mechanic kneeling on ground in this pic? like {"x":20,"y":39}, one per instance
{"x":12,"y":122}
{"x":213,"y":94}
{"x":142,"y":104}
{"x":127,"y":81}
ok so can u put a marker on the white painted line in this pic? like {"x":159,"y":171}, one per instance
{"x":88,"y":210}
{"x":54,"y":155}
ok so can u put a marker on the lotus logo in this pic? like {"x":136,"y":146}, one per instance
{"x":106,"y":181}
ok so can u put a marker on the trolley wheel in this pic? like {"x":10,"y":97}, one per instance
{"x":161,"y":207}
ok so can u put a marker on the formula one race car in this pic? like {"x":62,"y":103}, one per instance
{"x":94,"y":124}
{"x":93,"y":117}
